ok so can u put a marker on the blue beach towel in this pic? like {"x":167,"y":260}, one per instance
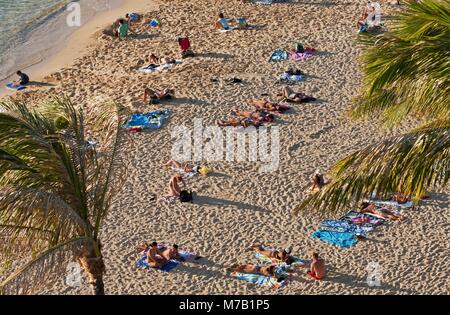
{"x":264,"y":280}
{"x":279,"y":55}
{"x":12,"y":86}
{"x":291,"y":77}
{"x":148,"y":120}
{"x":342,"y":239}
{"x":344,"y":226}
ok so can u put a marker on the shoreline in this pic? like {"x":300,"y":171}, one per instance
{"x":77,"y":44}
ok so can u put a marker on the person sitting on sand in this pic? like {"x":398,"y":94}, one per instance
{"x":288,"y":94}
{"x":172,"y":253}
{"x":269,"y":271}
{"x":284,"y":255}
{"x":123,"y":29}
{"x":153,"y":59}
{"x":174,"y":186}
{"x":317,"y":269}
{"x":185,"y":167}
{"x":222,"y":23}
{"x":318,"y":181}
{"x":268,"y":106}
{"x":236,"y":122}
{"x":258,"y":115}
{"x":155,"y":96}
{"x":384,"y":213}
{"x":155,"y":257}
{"x":23,"y":78}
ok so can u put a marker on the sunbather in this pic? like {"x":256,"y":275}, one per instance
{"x":153,"y":59}
{"x":268,"y":106}
{"x":155,"y":257}
{"x":297,"y":97}
{"x":384,"y":213}
{"x":186,"y":167}
{"x":222,"y":23}
{"x":236,"y":122}
{"x":174,"y":186}
{"x":317,"y":269}
{"x":258,"y":115}
{"x":283,"y":255}
{"x":268,"y":271}
{"x":172,"y":253}
{"x":154,"y":96}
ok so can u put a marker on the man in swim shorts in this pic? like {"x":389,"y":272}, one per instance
{"x":318,"y":268}
{"x":155,"y":257}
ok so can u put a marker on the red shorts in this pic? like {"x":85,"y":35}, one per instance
{"x":313,"y":275}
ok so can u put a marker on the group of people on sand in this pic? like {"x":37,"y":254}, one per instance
{"x":317,"y":269}
{"x":222,"y":23}
{"x":158,"y":256}
{"x":264,"y":110}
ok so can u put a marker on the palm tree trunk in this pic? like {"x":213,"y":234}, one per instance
{"x":95,"y":268}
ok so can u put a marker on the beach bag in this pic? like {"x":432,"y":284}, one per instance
{"x":186,"y":196}
{"x":299,"y":48}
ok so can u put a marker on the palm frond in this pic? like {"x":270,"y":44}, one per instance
{"x":43,"y":268}
{"x":411,"y":163}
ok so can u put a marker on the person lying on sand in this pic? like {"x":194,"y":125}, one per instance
{"x":268,"y":271}
{"x":384,"y":213}
{"x":186,"y":167}
{"x":296,"y":97}
{"x":174,"y":185}
{"x":317,"y":269}
{"x":154,"y":96}
{"x":222,"y":23}
{"x":172,"y":253}
{"x":258,"y":115}
{"x":236,"y":122}
{"x":155,"y":257}
{"x":268,"y":106}
{"x":284,"y":255}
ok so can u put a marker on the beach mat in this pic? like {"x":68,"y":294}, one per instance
{"x":278,"y":55}
{"x":300,"y":56}
{"x":156,"y":68}
{"x":344,"y":226}
{"x":152,"y":120}
{"x":261,"y":280}
{"x":341,"y":239}
{"x":12,"y":86}
{"x":291,"y":77}
{"x":363,"y":219}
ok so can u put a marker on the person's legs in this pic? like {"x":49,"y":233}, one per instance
{"x":166,"y":254}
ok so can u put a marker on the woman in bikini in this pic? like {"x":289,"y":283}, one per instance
{"x":268,"y":271}
{"x":257,"y":115}
{"x":155,"y":96}
{"x":155,"y":257}
{"x":185,"y":167}
{"x":268,"y":106}
{"x":289,"y":95}
{"x":384,"y":213}
{"x":283,"y":255}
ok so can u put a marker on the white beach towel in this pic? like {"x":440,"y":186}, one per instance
{"x":167,"y":66}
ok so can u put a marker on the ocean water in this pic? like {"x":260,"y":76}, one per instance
{"x":30,"y":30}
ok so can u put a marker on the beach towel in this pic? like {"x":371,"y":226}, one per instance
{"x":170,"y":265}
{"x":278,"y":55}
{"x":152,"y":120}
{"x":154,"y":68}
{"x":15,"y":87}
{"x":301,"y":56}
{"x":263,"y":1}
{"x":408,"y":204}
{"x":168,"y":199}
{"x":183,"y":172}
{"x":363,"y":219}
{"x":291,"y":77}
{"x":342,"y":239}
{"x":344,"y":226}
{"x":260,"y":280}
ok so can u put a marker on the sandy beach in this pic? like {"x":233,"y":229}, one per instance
{"x":236,"y":206}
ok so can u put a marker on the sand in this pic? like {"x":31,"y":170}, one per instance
{"x":236,"y":206}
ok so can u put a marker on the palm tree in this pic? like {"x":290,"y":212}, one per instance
{"x":55,"y":188}
{"x":407,"y":75}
